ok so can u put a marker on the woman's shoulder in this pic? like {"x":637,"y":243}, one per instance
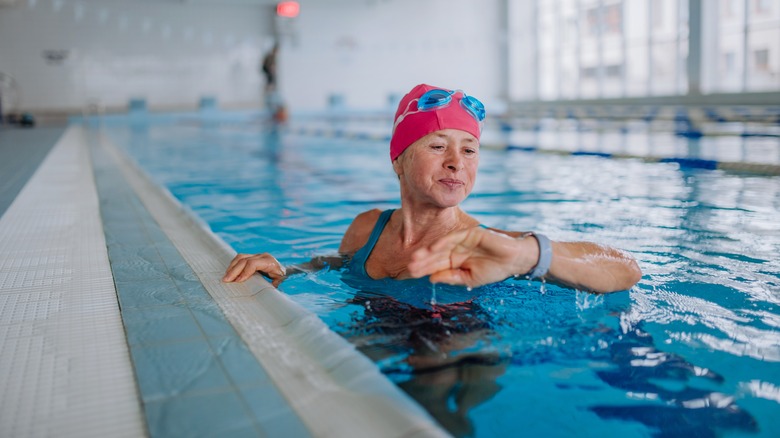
{"x":359,"y":231}
{"x":364,"y":222}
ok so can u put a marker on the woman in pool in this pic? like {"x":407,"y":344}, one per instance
{"x":434,"y":151}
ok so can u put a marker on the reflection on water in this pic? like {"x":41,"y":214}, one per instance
{"x":451,"y":358}
{"x":666,"y":387}
{"x":441,"y":356}
{"x":692,"y":350}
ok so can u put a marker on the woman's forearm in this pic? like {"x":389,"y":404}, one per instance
{"x":592,"y":267}
{"x":317,"y":263}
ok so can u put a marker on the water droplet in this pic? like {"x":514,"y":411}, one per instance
{"x":433,"y":294}
{"x":469,"y":288}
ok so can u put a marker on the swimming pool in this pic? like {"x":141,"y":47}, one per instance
{"x":692,"y":349}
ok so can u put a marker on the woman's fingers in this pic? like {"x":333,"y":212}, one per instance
{"x":451,"y":276}
{"x":470,"y":257}
{"x":239,"y":258}
{"x":425,"y":262}
{"x":264,"y":263}
{"x":451,"y":241}
{"x":235,"y":268}
{"x":244,"y":266}
{"x":449,"y":252}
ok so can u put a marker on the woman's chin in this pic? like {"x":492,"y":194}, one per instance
{"x":451,"y":201}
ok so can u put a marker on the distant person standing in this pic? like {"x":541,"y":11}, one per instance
{"x":273,"y":100}
{"x":269,"y":68}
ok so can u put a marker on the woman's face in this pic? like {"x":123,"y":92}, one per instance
{"x":440,"y":168}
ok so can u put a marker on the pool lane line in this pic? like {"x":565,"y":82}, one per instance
{"x":683,"y":162}
{"x":335,"y":390}
{"x":689,"y":163}
{"x":65,"y":369}
{"x":195,"y":374}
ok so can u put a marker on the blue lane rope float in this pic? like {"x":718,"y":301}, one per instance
{"x":692,"y":163}
{"x":683,"y":162}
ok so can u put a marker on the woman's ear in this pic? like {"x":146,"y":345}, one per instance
{"x":398,"y":166}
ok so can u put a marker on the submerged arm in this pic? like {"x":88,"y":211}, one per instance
{"x":244,"y":266}
{"x":318,"y":263}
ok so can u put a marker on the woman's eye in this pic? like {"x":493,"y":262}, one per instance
{"x":437,"y":147}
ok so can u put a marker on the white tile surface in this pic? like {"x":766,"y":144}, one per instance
{"x":65,"y":368}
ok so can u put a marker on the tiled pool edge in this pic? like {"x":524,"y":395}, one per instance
{"x":64,"y":363}
{"x":194,"y":373}
{"x":334,"y":390}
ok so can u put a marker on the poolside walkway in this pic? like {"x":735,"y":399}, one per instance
{"x":64,"y":363}
{"x":113,"y":321}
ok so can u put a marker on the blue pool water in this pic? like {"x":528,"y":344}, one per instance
{"x":692,"y":350}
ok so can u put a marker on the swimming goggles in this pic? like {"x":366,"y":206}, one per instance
{"x":437,"y":98}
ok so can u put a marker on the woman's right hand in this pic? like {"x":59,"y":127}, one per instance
{"x":474,"y":257}
{"x":244,"y":266}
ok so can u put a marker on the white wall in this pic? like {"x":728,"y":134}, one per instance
{"x":522,"y":54}
{"x":172,"y":53}
{"x":368,"y":50}
{"x":167,"y":52}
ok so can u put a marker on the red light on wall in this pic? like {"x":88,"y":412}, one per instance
{"x":288,"y":9}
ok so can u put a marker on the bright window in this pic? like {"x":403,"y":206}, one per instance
{"x":592,"y":49}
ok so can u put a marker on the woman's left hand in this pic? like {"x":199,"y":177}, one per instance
{"x":244,"y":266}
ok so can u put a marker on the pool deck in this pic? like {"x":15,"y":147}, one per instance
{"x":114,"y":321}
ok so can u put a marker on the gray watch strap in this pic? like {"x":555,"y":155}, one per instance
{"x":545,"y":255}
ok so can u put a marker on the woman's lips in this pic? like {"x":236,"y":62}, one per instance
{"x":451,"y":182}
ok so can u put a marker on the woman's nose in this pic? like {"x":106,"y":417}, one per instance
{"x":454,"y":160}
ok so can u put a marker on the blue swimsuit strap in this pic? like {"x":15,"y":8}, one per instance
{"x":361,"y":256}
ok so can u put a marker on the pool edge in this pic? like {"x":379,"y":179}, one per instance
{"x":324,"y":379}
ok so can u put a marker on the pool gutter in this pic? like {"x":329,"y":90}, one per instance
{"x":335,"y":390}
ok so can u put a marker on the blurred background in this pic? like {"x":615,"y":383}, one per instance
{"x":59,"y":56}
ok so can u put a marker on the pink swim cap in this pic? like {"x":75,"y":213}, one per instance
{"x":416,"y":126}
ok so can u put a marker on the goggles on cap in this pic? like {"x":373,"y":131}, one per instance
{"x":437,"y":98}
